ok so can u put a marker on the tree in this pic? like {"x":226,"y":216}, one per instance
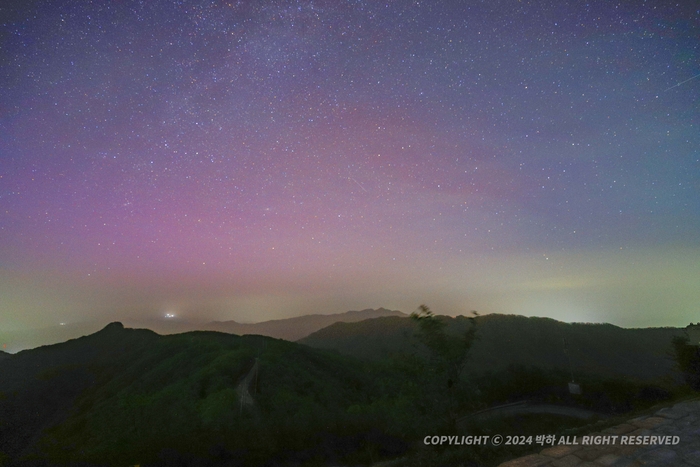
{"x":688,"y":360}
{"x":448,"y":352}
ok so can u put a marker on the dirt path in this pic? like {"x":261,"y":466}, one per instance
{"x":243,"y":387}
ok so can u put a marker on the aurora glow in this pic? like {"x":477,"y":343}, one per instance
{"x":258,"y":160}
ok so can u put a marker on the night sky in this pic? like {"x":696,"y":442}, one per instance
{"x":266,"y":159}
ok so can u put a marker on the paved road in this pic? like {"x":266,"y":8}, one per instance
{"x":677,"y":443}
{"x":525,"y":407}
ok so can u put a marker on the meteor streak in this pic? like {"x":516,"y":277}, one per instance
{"x":682,"y":82}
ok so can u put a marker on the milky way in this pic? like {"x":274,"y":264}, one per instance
{"x":268,"y":158}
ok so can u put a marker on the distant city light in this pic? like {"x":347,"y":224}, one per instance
{"x":169,"y":315}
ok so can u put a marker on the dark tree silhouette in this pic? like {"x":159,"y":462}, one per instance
{"x":448,"y":352}
{"x":688,"y":360}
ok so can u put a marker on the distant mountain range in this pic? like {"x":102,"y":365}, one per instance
{"x":505,"y":340}
{"x":375,"y":334}
{"x":293,"y":329}
{"x":290,"y":329}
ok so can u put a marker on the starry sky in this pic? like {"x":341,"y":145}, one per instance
{"x":255,"y":160}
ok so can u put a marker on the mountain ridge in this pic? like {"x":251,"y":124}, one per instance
{"x":293,"y":329}
{"x":290,"y":329}
{"x":503,"y":340}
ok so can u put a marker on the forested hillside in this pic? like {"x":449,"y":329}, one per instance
{"x":125,"y":397}
{"x":504,"y":340}
{"x":130,"y":396}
